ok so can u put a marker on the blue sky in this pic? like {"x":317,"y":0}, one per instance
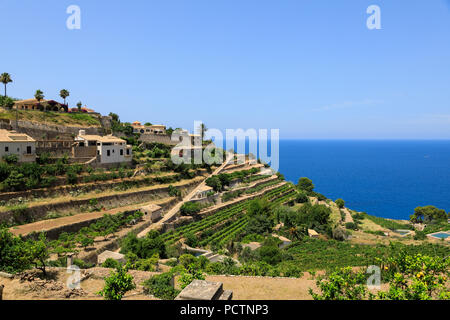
{"x":309,"y":68}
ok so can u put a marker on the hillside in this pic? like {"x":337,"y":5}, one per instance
{"x":50,"y":117}
{"x":228,"y":223}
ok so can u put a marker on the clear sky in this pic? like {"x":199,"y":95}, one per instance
{"x":310,"y":68}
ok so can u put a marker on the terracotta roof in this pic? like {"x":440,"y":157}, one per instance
{"x":93,"y":137}
{"x":28,"y":101}
{"x":205,"y":188}
{"x":284,"y":239}
{"x":151,"y":207}
{"x":13,"y":136}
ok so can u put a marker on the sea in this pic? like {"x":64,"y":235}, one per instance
{"x":385,"y":178}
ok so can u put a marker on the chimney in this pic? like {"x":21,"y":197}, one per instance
{"x":82,"y":133}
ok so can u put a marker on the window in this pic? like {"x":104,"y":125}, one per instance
{"x":6,"y":149}
{"x":121,"y":152}
{"x":29,"y":150}
{"x":108,"y":152}
{"x":128,"y":152}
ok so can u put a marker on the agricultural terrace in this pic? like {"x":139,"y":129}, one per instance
{"x":227,"y":224}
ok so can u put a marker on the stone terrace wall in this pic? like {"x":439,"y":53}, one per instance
{"x":64,"y":189}
{"x":35,"y":213}
{"x":51,"y":131}
{"x":158,"y":138}
{"x":84,"y":152}
{"x":74,"y":227}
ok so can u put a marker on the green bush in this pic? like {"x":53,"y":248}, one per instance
{"x":117,"y":284}
{"x":11,"y":159}
{"x":301,"y":197}
{"x":351,"y":226}
{"x":161,"y":286}
{"x":340,"y":203}
{"x":189,"y":208}
{"x":420,"y":235}
{"x":111,"y":263}
{"x":342,"y":284}
{"x":13,"y":253}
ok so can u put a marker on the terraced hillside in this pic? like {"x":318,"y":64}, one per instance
{"x":225,"y":224}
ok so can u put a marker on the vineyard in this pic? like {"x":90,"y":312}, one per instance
{"x":226,"y":224}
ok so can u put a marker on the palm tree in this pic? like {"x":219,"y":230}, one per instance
{"x":5,"y":78}
{"x":39,"y":95}
{"x":64,"y":94}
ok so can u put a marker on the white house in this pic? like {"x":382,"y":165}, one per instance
{"x":110,"y":149}
{"x":19,"y":144}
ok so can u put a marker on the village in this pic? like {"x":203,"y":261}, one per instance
{"x":96,"y":194}
{"x":159,"y":194}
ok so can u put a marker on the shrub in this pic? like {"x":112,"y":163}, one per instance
{"x":342,"y":284}
{"x":187,"y":277}
{"x":82,"y":264}
{"x":351,"y":226}
{"x":420,"y":235}
{"x":71,"y":177}
{"x":340,"y":203}
{"x":189,"y":208}
{"x":174,"y":192}
{"x":191,"y":239}
{"x":13,"y":255}
{"x":117,"y":284}
{"x":144,"y":248}
{"x":11,"y":159}
{"x":161,"y":286}
{"x":270,"y":254}
{"x":339,"y":234}
{"x":301,"y":197}
{"x":111,"y":263}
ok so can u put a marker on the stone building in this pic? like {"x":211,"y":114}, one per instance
{"x":152,"y":212}
{"x":19,"y":144}
{"x":110,"y":149}
{"x":153,"y":129}
{"x":34,"y":104}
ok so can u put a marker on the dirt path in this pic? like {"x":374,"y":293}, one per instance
{"x":46,"y":225}
{"x":348,"y":216}
{"x":172,"y":212}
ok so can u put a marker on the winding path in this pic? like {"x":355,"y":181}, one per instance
{"x":172,"y":212}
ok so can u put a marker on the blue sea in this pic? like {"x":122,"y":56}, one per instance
{"x":383,"y":178}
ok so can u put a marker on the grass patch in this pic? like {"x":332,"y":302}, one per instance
{"x":61,"y":118}
{"x":386,"y":223}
